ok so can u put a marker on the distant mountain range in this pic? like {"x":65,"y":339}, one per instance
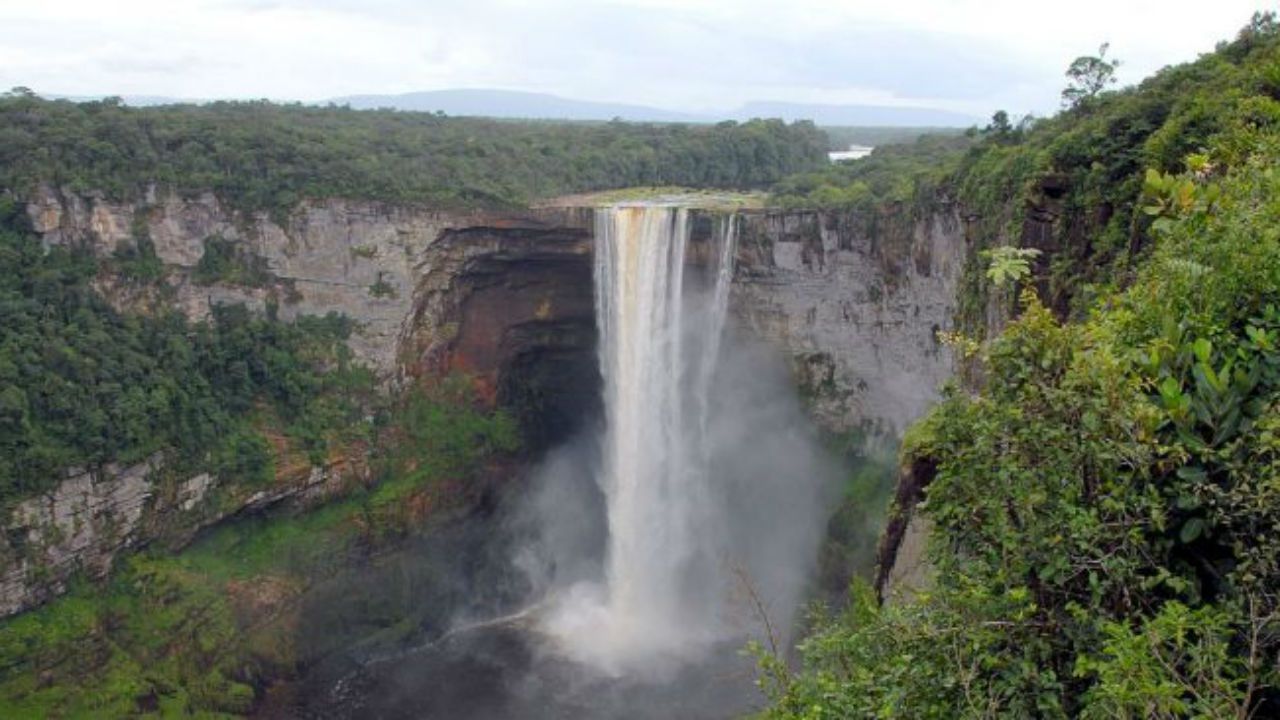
{"x":517,"y":104}
{"x":532,"y":105}
{"x":514,"y":104}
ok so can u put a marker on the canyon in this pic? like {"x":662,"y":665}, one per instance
{"x":506,"y":298}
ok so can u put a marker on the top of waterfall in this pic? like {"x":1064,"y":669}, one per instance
{"x":723,"y":200}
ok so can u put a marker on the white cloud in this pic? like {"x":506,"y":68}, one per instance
{"x":969,"y":55}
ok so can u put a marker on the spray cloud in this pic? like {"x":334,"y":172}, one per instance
{"x":709,"y":478}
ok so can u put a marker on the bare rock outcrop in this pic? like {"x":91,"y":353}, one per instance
{"x":859,"y":312}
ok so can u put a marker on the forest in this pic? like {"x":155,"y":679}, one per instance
{"x":1101,"y":484}
{"x":84,"y":385}
{"x":261,"y":156}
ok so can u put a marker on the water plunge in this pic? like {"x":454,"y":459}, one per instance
{"x":643,"y":553}
{"x":710,"y":482}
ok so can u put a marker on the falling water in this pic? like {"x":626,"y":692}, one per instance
{"x":660,"y":336}
{"x":650,"y":547}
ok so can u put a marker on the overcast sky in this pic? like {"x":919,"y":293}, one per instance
{"x":972,"y":56}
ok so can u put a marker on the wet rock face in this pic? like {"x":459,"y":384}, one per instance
{"x":513,"y":308}
{"x":857,"y":306}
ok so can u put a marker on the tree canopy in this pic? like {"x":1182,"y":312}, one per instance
{"x":264,"y":156}
{"x":83,"y":385}
{"x":1103,"y":495}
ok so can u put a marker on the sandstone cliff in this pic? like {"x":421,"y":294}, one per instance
{"x":859,"y":313}
{"x":429,"y":291}
{"x":504,"y":297}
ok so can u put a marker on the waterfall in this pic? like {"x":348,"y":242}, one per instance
{"x":658,"y":356}
{"x":711,"y":478}
{"x":660,"y":329}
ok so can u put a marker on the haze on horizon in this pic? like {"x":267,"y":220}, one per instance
{"x":690,"y":56}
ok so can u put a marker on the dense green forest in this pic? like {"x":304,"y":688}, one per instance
{"x":83,"y":385}
{"x":1104,"y":492}
{"x":263,"y":156}
{"x":898,"y":173}
{"x":202,"y":632}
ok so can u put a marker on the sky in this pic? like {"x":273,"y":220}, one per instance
{"x":971,"y":56}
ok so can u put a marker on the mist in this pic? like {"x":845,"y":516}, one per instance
{"x":702,"y":527}
{"x":640,"y":557}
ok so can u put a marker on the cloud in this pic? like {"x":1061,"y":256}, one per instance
{"x":694,"y":55}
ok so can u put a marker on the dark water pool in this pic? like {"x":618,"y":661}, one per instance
{"x":502,"y":670}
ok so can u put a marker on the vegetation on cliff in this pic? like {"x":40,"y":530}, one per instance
{"x":1080,"y":172}
{"x":205,"y":632}
{"x":1105,"y":507}
{"x":263,"y":156}
{"x":82,"y":385}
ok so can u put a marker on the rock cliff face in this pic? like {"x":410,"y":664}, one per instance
{"x":80,"y":526}
{"x":357,"y":258}
{"x":858,"y":312}
{"x":506,"y":298}
{"x":92,"y":516}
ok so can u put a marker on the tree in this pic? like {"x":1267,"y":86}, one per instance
{"x":1000,"y":125}
{"x":1088,"y":76}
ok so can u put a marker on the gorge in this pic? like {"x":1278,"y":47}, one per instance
{"x":319,"y":413}
{"x":508,"y":300}
{"x":711,"y":486}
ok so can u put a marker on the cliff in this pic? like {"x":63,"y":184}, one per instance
{"x":503,"y":297}
{"x":430,"y":292}
{"x":858,"y":312}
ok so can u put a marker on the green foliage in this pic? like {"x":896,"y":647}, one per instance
{"x":244,"y":455}
{"x":444,"y":427}
{"x":137,"y":262}
{"x":908,"y":174}
{"x":262,"y":156}
{"x":441,"y":434}
{"x":82,"y":385}
{"x":1106,"y":507}
{"x":999,"y":127}
{"x":1009,"y":265}
{"x":841,"y":137}
{"x":1089,"y":75}
{"x":381,"y":288}
{"x":1178,"y":664}
{"x":963,"y":653}
{"x":226,"y":261}
{"x":157,"y":642}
